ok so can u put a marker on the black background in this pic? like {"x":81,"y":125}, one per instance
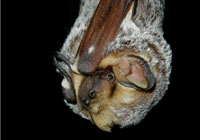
{"x":32,"y":102}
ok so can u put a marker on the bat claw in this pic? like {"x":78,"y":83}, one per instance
{"x":72,"y":97}
{"x":63,"y":58}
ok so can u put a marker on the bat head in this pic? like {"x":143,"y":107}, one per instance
{"x":97,"y":87}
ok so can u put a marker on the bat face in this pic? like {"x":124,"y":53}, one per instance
{"x":94,"y":87}
{"x":120,"y":69}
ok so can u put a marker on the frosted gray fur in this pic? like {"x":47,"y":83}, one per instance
{"x":143,"y":30}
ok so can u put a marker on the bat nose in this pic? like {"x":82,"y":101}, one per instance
{"x":86,"y":102}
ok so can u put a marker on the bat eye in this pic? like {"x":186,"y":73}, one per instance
{"x":92,"y":94}
{"x":110,"y":76}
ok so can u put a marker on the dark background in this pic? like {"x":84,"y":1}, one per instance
{"x":32,"y":102}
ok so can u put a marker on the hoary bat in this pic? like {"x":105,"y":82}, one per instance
{"x":115,"y":61}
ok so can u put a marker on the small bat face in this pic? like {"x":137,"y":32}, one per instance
{"x":92,"y":87}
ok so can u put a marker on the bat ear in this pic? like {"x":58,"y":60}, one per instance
{"x":131,"y":71}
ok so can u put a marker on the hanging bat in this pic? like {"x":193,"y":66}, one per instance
{"x":115,"y":61}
